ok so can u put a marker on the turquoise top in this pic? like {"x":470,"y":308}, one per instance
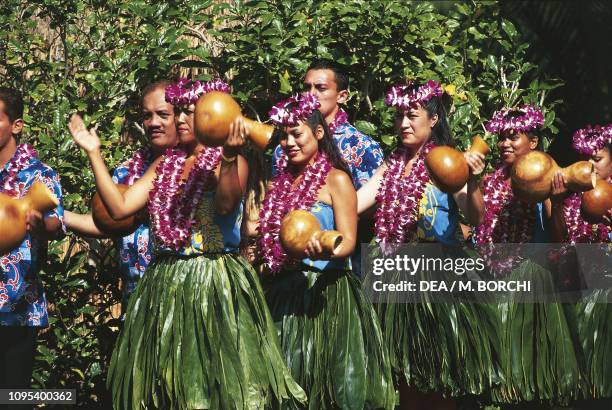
{"x":540,"y":233}
{"x":212,"y":233}
{"x":325,"y":214}
{"x":438,"y":217}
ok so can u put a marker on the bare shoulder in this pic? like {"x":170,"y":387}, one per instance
{"x":337,"y":178}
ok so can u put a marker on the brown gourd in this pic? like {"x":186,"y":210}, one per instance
{"x":596,"y":202}
{"x":106,"y":223}
{"x":13,"y":213}
{"x":215,"y":111}
{"x":297,"y":227}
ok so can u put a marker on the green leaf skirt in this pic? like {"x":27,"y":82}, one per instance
{"x":594,"y":320}
{"x":540,"y":358}
{"x":198,"y":335}
{"x":447,"y":347}
{"x":331,"y":339}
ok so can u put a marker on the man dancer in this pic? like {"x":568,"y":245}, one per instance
{"x":135,"y":249}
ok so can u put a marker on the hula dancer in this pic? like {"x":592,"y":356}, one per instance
{"x":431,"y":345}
{"x":537,"y":355}
{"x":329,"y":333}
{"x":593,"y":311}
{"x":197,"y":332}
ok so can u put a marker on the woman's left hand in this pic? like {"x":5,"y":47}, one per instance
{"x":475,"y":161}
{"x":236,"y":138}
{"x":315,"y":251}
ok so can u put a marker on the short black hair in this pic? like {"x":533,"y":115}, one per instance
{"x":154,"y":86}
{"x":13,"y":103}
{"x":340,"y":72}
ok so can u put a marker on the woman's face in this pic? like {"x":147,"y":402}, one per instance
{"x":184,"y":116}
{"x":414,"y":126}
{"x":300,"y":143}
{"x":602,"y":163}
{"x":512,"y":145}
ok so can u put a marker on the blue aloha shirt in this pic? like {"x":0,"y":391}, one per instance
{"x":22,"y":298}
{"x":361,"y":153}
{"x":134,"y":249}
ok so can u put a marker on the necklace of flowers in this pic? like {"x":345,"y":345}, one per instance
{"x":20,"y":159}
{"x":281,"y":199}
{"x":172,"y":203}
{"x":579,"y":230}
{"x":503,"y":212}
{"x":398,"y":198}
{"x":341,"y":117}
{"x":136,"y":165}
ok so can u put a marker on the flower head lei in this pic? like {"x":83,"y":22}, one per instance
{"x":406,"y":96}
{"x":297,"y":108}
{"x":185,"y":92}
{"x":522,"y":119}
{"x":589,"y":140}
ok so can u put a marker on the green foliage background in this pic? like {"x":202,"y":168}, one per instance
{"x":94,"y":56}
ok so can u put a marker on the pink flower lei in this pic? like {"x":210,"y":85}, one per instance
{"x":406,"y":96}
{"x":530,"y":119}
{"x":589,"y":140}
{"x":280,"y":200}
{"x":506,"y":219}
{"x":287,"y":113}
{"x":398,"y":197}
{"x":136,"y":165}
{"x":18,"y":162}
{"x":172,"y":203}
{"x":184,"y":92}
{"x":579,"y":230}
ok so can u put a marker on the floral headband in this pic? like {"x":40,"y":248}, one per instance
{"x":589,"y":140}
{"x":296,"y":108}
{"x":184,"y":92}
{"x":502,"y":120}
{"x":409,"y":95}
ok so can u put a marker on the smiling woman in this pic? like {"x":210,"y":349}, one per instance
{"x":316,"y":302}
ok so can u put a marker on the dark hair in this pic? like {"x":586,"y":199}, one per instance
{"x":440,"y":133}
{"x":13,"y":103}
{"x":327,"y":145}
{"x":340,"y":72}
{"x":154,"y":86}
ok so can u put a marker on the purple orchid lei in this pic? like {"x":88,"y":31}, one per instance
{"x":502,"y":121}
{"x":398,"y":197}
{"x":280,"y":200}
{"x":407,"y":96}
{"x":136,"y":165}
{"x":184,"y":92}
{"x":287,"y":114}
{"x":20,"y":159}
{"x":506,"y":220}
{"x":579,"y":230}
{"x":589,"y":140}
{"x":172,"y":203}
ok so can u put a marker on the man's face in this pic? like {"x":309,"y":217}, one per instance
{"x":158,"y":120}
{"x":322,"y":83}
{"x":8,"y":128}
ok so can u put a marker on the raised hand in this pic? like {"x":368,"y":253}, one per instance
{"x":87,"y":140}
{"x":236,"y":138}
{"x":475,"y":161}
{"x":558,"y":187}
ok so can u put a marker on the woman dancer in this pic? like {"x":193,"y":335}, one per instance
{"x":593,"y":312}
{"x":197,"y":332}
{"x":434,"y":347}
{"x":329,"y":333}
{"x":537,"y":356}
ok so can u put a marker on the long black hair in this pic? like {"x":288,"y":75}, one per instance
{"x":440,"y":133}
